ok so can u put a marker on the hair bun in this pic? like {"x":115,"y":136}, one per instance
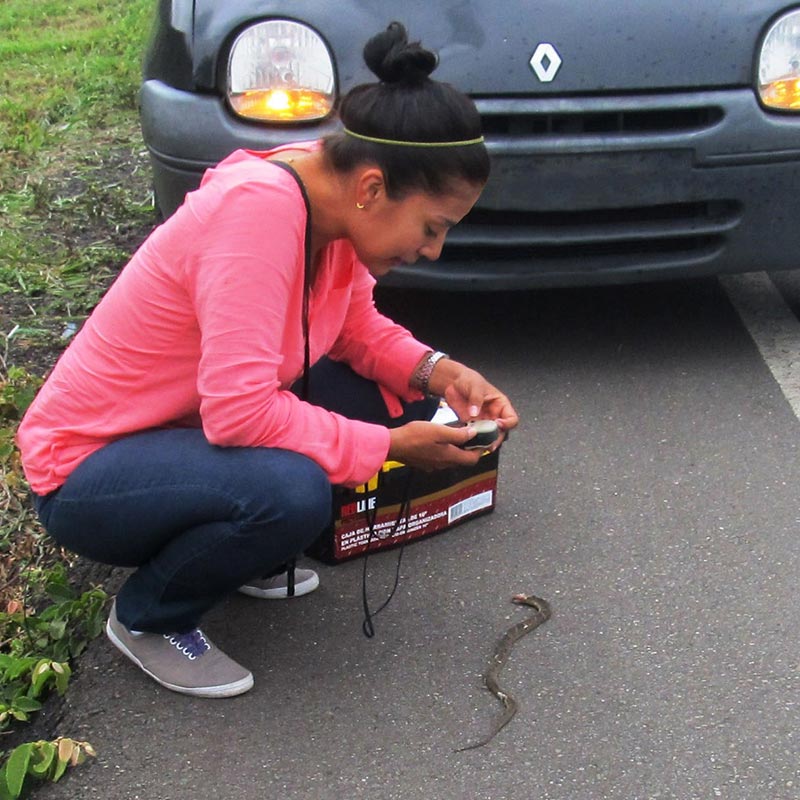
{"x":396,"y":60}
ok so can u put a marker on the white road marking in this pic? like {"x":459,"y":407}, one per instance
{"x":772,"y":326}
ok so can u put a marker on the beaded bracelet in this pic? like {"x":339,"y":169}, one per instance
{"x":422,"y":375}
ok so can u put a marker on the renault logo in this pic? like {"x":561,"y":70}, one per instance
{"x":545,"y":62}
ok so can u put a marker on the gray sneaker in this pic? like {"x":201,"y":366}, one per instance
{"x":187,"y":663}
{"x":276,"y":587}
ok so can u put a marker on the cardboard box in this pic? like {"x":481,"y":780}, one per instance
{"x":371,"y":516}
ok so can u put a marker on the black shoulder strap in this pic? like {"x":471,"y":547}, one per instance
{"x":306,"y":277}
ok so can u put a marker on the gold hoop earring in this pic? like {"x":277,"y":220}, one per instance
{"x":360,"y":206}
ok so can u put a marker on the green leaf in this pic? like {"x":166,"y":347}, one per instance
{"x":17,"y":768}
{"x":57,"y":629}
{"x":46,"y":751}
{"x":42,"y":672}
{"x":13,"y":667}
{"x":60,"y":769}
{"x":5,"y":793}
{"x":65,"y":749}
{"x":59,"y":590}
{"x":77,"y":645}
{"x":62,"y":676}
{"x":27,"y":703}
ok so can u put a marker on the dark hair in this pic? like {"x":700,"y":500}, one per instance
{"x":407,"y":105}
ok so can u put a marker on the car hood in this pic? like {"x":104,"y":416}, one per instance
{"x":485,"y":46}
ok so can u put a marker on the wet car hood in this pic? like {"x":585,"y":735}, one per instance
{"x":485,"y":47}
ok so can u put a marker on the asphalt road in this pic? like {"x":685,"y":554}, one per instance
{"x":650,"y":495}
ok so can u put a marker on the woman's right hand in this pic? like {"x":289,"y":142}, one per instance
{"x":429,"y":446}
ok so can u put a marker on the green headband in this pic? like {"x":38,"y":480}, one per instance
{"x":375,"y":139}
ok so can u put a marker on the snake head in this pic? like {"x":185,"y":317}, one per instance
{"x":519,"y":598}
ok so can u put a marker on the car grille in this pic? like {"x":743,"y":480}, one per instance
{"x":594,"y":123}
{"x":606,"y":238}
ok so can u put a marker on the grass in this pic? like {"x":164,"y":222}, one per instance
{"x":72,"y":174}
{"x":75,"y":201}
{"x":65,"y":66}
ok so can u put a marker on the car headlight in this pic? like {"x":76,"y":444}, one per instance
{"x":779,"y":64}
{"x":280,"y":71}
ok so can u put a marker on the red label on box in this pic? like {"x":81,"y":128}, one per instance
{"x":366,"y":517}
{"x":427,"y":514}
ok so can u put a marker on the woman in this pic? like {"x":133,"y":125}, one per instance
{"x":168,"y":437}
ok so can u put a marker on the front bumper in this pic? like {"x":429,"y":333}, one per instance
{"x":186,"y":133}
{"x":583,"y":190}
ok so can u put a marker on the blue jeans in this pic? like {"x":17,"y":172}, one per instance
{"x":197,"y":521}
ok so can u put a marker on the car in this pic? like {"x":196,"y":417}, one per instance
{"x":630,"y":141}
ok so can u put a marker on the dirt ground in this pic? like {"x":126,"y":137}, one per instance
{"x":79,"y":208}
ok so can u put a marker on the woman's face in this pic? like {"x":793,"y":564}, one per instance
{"x":393,"y":232}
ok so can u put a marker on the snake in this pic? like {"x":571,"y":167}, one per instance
{"x":500,"y":656}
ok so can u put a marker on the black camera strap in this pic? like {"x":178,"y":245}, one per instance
{"x":304,"y":394}
{"x":305,"y":385}
{"x":403,"y":512}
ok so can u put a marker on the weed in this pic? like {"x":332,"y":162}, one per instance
{"x":42,"y":760}
{"x":44,"y":622}
{"x":75,"y":199}
{"x":38,"y":646}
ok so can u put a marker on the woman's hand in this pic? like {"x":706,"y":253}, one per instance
{"x":470,"y":395}
{"x":429,"y":446}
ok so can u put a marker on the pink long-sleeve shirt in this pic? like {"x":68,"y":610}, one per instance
{"x":203,"y":328}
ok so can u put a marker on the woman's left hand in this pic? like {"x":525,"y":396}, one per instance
{"x":470,"y":395}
